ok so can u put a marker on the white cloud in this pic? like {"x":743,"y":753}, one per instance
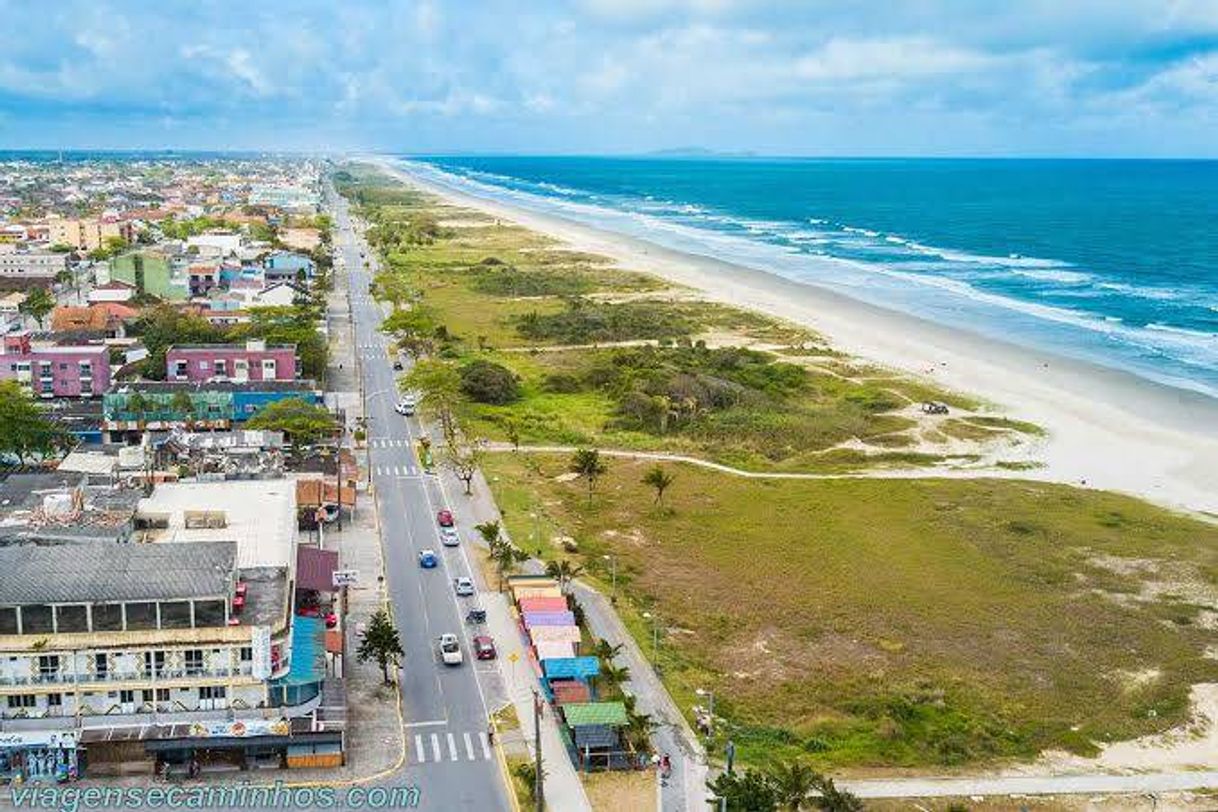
{"x":899,"y":59}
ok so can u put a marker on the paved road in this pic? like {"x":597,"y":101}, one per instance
{"x":445,"y":712}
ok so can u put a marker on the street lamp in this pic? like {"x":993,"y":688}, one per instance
{"x":655,"y":636}
{"x":612,"y":559}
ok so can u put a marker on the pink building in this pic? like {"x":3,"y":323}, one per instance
{"x":55,"y":372}
{"x":252,"y":361}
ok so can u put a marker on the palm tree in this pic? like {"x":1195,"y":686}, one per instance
{"x":489,"y":531}
{"x":832,"y":799}
{"x":615,"y":675}
{"x":794,"y":782}
{"x":587,"y":463}
{"x":659,"y":479}
{"x":606,"y":651}
{"x":564,"y":571}
{"x":505,"y":555}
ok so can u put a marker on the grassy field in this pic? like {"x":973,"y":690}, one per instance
{"x":504,"y":294}
{"x":873,"y":623}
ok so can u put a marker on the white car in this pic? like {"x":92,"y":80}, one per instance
{"x":450,"y":649}
{"x":464,"y":586}
{"x":449,"y":537}
{"x":406,"y":406}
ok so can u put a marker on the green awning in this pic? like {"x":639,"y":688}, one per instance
{"x":595,"y":713}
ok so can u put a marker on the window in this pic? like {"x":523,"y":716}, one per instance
{"x":179,"y":369}
{"x":194,"y":661}
{"x":162,"y":694}
{"x":22,"y":701}
{"x":146,"y":695}
{"x":8,"y":620}
{"x":63,"y":367}
{"x":35,"y":619}
{"x":126,"y":697}
{"x":246,"y":654}
{"x":101,"y":665}
{"x":213,"y":692}
{"x":48,"y":666}
{"x":107,"y":617}
{"x":71,"y":618}
{"x":141,"y":616}
{"x":175,"y":615}
{"x":55,"y":700}
{"x":154,"y":662}
{"x":268,"y":368}
{"x":221,"y":366}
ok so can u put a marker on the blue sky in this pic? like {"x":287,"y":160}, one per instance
{"x":850,"y":77}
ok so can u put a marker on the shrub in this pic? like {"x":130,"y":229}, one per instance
{"x":487,"y":382}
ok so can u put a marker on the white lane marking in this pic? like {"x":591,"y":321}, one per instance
{"x":433,"y":723}
{"x":469,"y":747}
{"x":418,"y":747}
{"x":452,"y":748}
{"x":435,"y":746}
{"x":486,"y":746}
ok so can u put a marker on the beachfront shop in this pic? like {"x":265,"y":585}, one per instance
{"x":38,"y":756}
{"x":213,"y":747}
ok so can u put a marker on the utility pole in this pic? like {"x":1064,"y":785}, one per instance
{"x":539,"y":789}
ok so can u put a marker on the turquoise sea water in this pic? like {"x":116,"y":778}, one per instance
{"x":1115,"y":262}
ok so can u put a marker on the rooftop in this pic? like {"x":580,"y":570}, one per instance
{"x":260,"y":515}
{"x":115,"y":572}
{"x":150,"y":387}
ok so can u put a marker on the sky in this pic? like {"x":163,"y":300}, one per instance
{"x":786,"y":77}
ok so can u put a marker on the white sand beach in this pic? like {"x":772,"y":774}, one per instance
{"x":1107,"y":429}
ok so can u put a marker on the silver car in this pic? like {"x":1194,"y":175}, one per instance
{"x":464,"y":586}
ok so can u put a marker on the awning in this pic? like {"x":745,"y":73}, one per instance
{"x":572,"y":668}
{"x":532,"y":619}
{"x":543,"y":604}
{"x":549,"y":633}
{"x":595,"y":713}
{"x":596,"y":737}
{"x":315,"y":568}
{"x":537,"y":592}
{"x":308,"y":653}
{"x":570,"y":691}
{"x":553,"y":649}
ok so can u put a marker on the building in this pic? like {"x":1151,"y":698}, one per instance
{"x":65,"y":507}
{"x":215,"y":244}
{"x":10,"y":304}
{"x":252,"y":361}
{"x":185,"y":646}
{"x":60,"y":372}
{"x":119,"y":292}
{"x":88,"y":235}
{"x":287,"y":266}
{"x":202,"y":277}
{"x":108,"y":318}
{"x":280,"y":294}
{"x":27,"y":269}
{"x":152,"y":272}
{"x":130,"y":410}
{"x":300,"y":239}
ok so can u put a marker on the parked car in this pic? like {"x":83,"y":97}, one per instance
{"x":450,"y":649}
{"x":445,"y":517}
{"x":428,"y":559}
{"x":449,"y":537}
{"x":405,"y":407}
{"x":484,"y":647}
{"x":464,"y":586}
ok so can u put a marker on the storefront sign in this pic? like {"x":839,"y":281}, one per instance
{"x":240,"y":728}
{"x":38,"y":739}
{"x":346,"y":577}
{"x":260,"y":647}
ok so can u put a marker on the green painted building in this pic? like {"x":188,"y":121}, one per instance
{"x":150,"y":271}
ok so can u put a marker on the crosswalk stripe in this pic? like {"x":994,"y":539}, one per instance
{"x":452,"y":748}
{"x":418,"y":747}
{"x":469,"y":747}
{"x":486,"y":745}
{"x":435,"y":746}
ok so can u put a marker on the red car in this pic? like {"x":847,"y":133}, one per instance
{"x":445,"y":518}
{"x":484,"y":647}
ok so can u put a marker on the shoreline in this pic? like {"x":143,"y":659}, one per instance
{"x":1106,"y":428}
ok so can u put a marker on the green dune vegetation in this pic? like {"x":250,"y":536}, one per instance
{"x":609,"y":357}
{"x":859,"y":622}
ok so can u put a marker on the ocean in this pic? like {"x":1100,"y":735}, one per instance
{"x":1113,"y":262}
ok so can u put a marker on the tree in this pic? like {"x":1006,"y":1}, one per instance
{"x":564,"y":571}
{"x":490,"y":532}
{"x":506,"y":555}
{"x":439,"y":386}
{"x":464,"y":459}
{"x":182,"y":404}
{"x":659,"y":479}
{"x":487,"y":382}
{"x":606,"y":651}
{"x":38,"y":303}
{"x":303,"y":422}
{"x":794,"y":782}
{"x":832,"y":799}
{"x":587,"y":463}
{"x":614,"y":674}
{"x":380,"y":643}
{"x":161,"y":326}
{"x":25,"y":430}
{"x":289,"y":324}
{"x":748,"y":791}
